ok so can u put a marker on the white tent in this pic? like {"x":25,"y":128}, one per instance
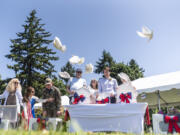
{"x":161,"y":89}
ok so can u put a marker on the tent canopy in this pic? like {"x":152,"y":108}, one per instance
{"x":167,"y":85}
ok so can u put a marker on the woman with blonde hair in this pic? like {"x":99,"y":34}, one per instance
{"x":12,"y":94}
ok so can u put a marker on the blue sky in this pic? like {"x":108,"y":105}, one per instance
{"x":87,"y":27}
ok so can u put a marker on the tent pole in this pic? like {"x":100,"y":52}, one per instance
{"x":159,"y":106}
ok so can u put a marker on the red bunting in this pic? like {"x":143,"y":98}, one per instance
{"x":99,"y":102}
{"x":78,"y":98}
{"x":106,"y":100}
{"x":125,"y":97}
{"x":172,"y":123}
{"x":147,"y":118}
{"x":67,"y":116}
{"x":103,"y":101}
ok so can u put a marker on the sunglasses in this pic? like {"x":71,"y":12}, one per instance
{"x":79,"y":72}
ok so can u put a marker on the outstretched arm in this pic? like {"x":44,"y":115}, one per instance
{"x":39,"y":100}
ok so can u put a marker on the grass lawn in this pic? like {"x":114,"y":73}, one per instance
{"x":18,"y":132}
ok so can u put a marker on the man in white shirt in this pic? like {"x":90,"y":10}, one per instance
{"x":107,"y":84}
{"x":75,"y":83}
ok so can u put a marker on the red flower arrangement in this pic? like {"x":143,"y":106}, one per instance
{"x":42,"y":123}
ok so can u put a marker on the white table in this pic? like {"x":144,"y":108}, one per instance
{"x":52,"y":123}
{"x":127,"y":118}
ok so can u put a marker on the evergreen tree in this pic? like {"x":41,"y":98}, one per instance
{"x":31,"y":54}
{"x":3,"y":84}
{"x":118,"y":68}
{"x":105,"y":60}
{"x":132,"y":69}
{"x":68,"y":68}
{"x":59,"y":84}
{"x":136,"y":71}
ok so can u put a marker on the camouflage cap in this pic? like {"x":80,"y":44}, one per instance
{"x":48,"y":81}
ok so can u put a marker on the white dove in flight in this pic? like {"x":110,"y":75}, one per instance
{"x":76,"y":60}
{"x":89,"y":68}
{"x":64,"y":75}
{"x":57,"y":43}
{"x":146,"y":33}
{"x":81,"y":60}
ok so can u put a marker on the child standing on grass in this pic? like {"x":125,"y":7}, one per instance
{"x":27,"y":113}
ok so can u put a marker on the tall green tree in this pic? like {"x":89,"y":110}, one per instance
{"x":3,"y":84}
{"x":30,"y":54}
{"x":59,"y":84}
{"x":118,"y":68}
{"x":68,"y":68}
{"x":132,"y":69}
{"x":105,"y":60}
{"x":136,"y":71}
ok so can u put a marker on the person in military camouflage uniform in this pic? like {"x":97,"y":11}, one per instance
{"x":51,"y":108}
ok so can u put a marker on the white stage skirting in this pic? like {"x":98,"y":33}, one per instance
{"x":159,"y":127}
{"x":127,"y":118}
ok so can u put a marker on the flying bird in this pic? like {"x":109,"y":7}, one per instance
{"x":81,"y":60}
{"x":76,"y":60}
{"x":57,"y":43}
{"x":64,"y":75}
{"x":89,"y":68}
{"x":146,"y":33}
